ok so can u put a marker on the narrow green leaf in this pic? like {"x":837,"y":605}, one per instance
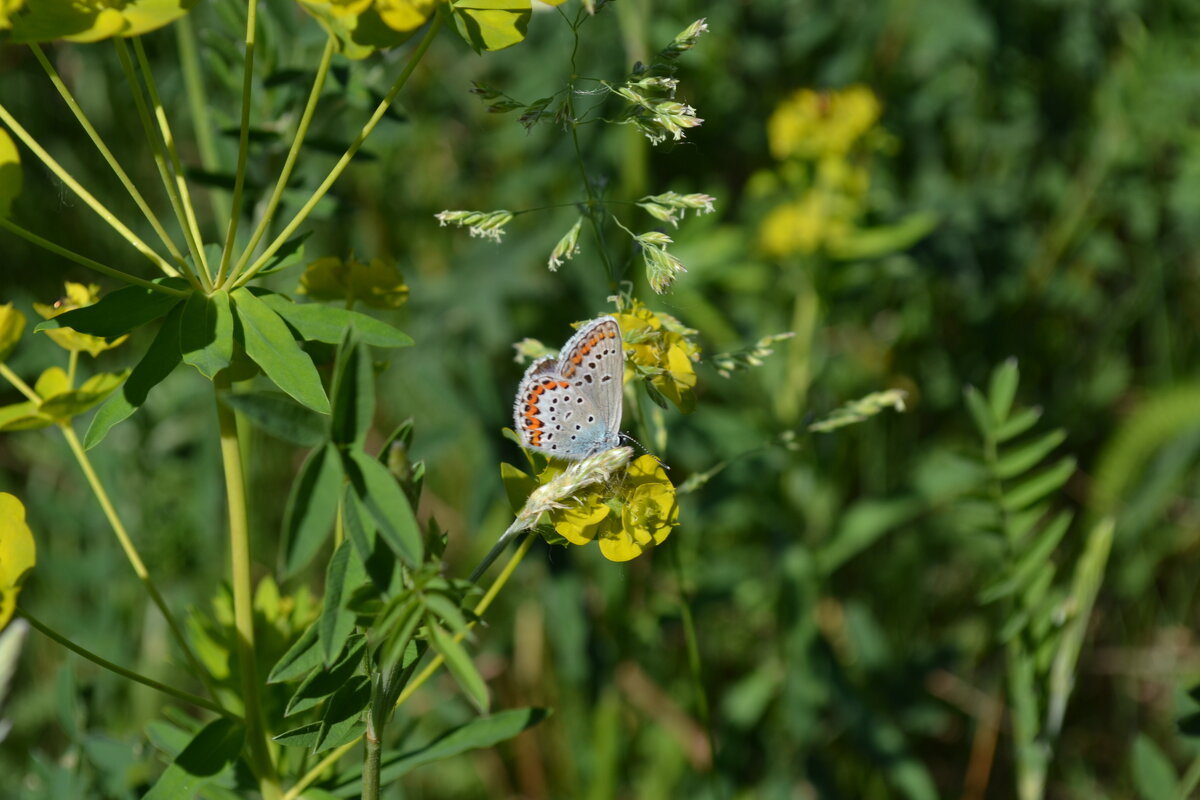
{"x":94,"y":391}
{"x":491,"y":24}
{"x":311,"y":507}
{"x":212,"y":751}
{"x":1153,"y":773}
{"x":161,"y":359}
{"x":302,"y":656}
{"x":1020,"y":460}
{"x":862,"y":526}
{"x":269,"y":344}
{"x":480,"y":732}
{"x":1018,"y":424}
{"x":402,"y":435}
{"x":517,"y":486}
{"x":336,"y":623}
{"x":449,"y":612}
{"x":460,"y":665}
{"x":1003,"y":389}
{"x":206,"y":332}
{"x":353,"y":393}
{"x":399,"y":628}
{"x":1030,"y":491}
{"x":321,"y":323}
{"x":981,"y":412}
{"x":1018,"y":524}
{"x":342,"y":720}
{"x":289,"y":254}
{"x":117,"y":313}
{"x":387,"y":504}
{"x":359,"y":530}
{"x":280,"y":416}
{"x":1031,"y":559}
{"x":321,"y":683}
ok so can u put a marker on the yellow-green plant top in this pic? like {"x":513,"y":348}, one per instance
{"x":88,"y":20}
{"x":78,"y":295}
{"x":18,"y":553}
{"x":812,"y":124}
{"x":12,"y":325}
{"x":377,"y":284}
{"x":10,"y":160}
{"x":661,"y":348}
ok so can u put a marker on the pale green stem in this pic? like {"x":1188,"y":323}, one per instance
{"x":131,"y":554}
{"x":187,"y":697}
{"x":243,"y":142}
{"x":193,"y":83}
{"x":83,"y":260}
{"x":243,"y":593}
{"x":340,"y":166}
{"x":109,"y":158}
{"x":289,"y":163}
{"x":482,"y":606}
{"x":11,"y":123}
{"x":20,"y":385}
{"x":72,"y":363}
{"x":168,"y":138}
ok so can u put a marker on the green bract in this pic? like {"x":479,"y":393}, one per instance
{"x":17,"y":553}
{"x":90,"y":20}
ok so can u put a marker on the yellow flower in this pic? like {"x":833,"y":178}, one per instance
{"x":810,"y":124}
{"x":12,"y":325}
{"x":378,"y":284}
{"x":343,"y":8}
{"x":17,"y":553}
{"x":7,"y":9}
{"x":404,"y":15}
{"x":78,"y":296}
{"x":660,"y":348}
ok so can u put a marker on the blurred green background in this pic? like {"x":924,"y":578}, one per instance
{"x":1045,"y":157}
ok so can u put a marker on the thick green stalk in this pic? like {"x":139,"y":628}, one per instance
{"x":344,"y":161}
{"x":289,"y":163}
{"x":243,"y":594}
{"x":109,"y":158}
{"x":131,"y":554}
{"x":83,"y":194}
{"x":371,"y":764}
{"x":239,"y":180}
{"x":187,"y":697}
{"x":83,"y":260}
{"x":193,"y":84}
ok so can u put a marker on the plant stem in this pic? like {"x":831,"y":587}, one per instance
{"x":371,"y":764}
{"x":188,"y":697}
{"x":193,"y":83}
{"x":239,"y":180}
{"x":131,"y":554}
{"x":289,"y":164}
{"x":1190,"y":779}
{"x":693,"y":653}
{"x":342,"y":162}
{"x":20,"y":385}
{"x":83,"y":194}
{"x":90,"y":130}
{"x":243,"y":608}
{"x":83,"y":260}
{"x":479,"y":609}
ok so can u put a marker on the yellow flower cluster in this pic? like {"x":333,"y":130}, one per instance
{"x":17,"y":553}
{"x":661,"y":349}
{"x":78,"y":295}
{"x":7,"y":9}
{"x":627,"y":520}
{"x":399,"y":15}
{"x":378,"y":284}
{"x":813,"y":124}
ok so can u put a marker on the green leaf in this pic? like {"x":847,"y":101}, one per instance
{"x":312,"y":507}
{"x":321,"y":683}
{"x":481,"y":732}
{"x":862,"y":526}
{"x":357,"y":35}
{"x":1003,"y":389}
{"x":339,"y":724}
{"x":360,"y":531}
{"x":981,"y":412}
{"x":517,"y":486}
{"x":1026,"y":567}
{"x":213,"y":750}
{"x":117,"y":313}
{"x":10,"y":172}
{"x":289,"y":254}
{"x":95,"y":390}
{"x":22,"y":417}
{"x":269,"y":344}
{"x":449,"y":612}
{"x":353,"y":392}
{"x":206,"y":332}
{"x":1037,"y":487}
{"x":280,"y":416}
{"x":322,"y":323}
{"x":387,"y":504}
{"x":1153,"y":773}
{"x":161,"y":359}
{"x":492,"y":24}
{"x":460,"y":665}
{"x":881,"y":240}
{"x":1020,"y":460}
{"x":12,"y":325}
{"x":336,"y":623}
{"x":46,"y":20}
{"x":301,"y":657}
{"x":1018,"y":424}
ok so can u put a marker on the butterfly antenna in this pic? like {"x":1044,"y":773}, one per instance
{"x":626,"y":437}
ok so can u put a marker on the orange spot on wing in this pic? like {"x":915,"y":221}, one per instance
{"x":563,"y":384}
{"x":578,"y":359}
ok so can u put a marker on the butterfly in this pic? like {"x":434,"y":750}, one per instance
{"x":570,"y":407}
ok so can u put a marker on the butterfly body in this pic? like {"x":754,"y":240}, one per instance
{"x":570,"y":407}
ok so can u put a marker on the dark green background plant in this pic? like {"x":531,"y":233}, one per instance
{"x":834,"y":579}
